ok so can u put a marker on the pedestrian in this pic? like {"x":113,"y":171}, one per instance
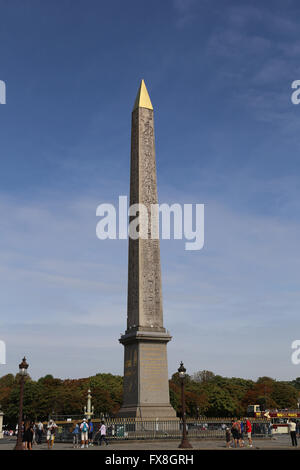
{"x":51,"y":429}
{"x":91,"y":432}
{"x":249,"y":432}
{"x":242,"y":433}
{"x":103,"y":434}
{"x":28,"y":435}
{"x":34,"y":427}
{"x":298,"y":428}
{"x":239,"y":428}
{"x":40,"y":430}
{"x":228,"y":437}
{"x":292,"y":431}
{"x":76,"y":432}
{"x":84,"y":428}
{"x":235,"y":431}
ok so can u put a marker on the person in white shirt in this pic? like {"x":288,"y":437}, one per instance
{"x":292,"y":430}
{"x":40,"y":430}
{"x":51,"y":429}
{"x":103,"y":434}
{"x":84,"y":428}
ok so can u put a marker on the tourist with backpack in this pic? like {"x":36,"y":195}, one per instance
{"x":84,"y":428}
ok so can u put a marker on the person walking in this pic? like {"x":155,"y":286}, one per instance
{"x":91,"y":432}
{"x":40,"y":430}
{"x":292,"y":431}
{"x":84,"y":428}
{"x":51,"y":429}
{"x":242,"y":442}
{"x":298,"y":428}
{"x":240,"y":435}
{"x":228,"y":437}
{"x":28,"y":435}
{"x":76,"y":432}
{"x":249,"y":432}
{"x":34,"y":427}
{"x":103,"y":433}
{"x":234,"y":432}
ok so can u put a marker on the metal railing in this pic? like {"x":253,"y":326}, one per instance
{"x":137,"y":429}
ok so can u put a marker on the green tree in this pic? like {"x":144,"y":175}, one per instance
{"x":220,"y":403}
{"x":284,"y":395}
{"x":296,"y":383}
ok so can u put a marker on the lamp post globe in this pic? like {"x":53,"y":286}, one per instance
{"x":23,"y":367}
{"x":182,"y":371}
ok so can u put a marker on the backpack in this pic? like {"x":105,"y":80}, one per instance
{"x":84,"y":427}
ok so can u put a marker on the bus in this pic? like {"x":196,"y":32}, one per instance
{"x":278,"y":418}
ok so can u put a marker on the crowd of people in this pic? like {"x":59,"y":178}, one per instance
{"x":32,"y":433}
{"x":235,"y":434}
{"x":83,"y":433}
{"x":85,"y":430}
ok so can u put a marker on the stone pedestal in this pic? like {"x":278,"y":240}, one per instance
{"x":146,"y":386}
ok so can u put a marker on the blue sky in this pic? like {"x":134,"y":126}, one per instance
{"x":219,"y":74}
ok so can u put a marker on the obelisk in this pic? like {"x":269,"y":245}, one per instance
{"x":146,"y":386}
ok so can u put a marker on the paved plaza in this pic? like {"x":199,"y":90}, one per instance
{"x":279,"y":443}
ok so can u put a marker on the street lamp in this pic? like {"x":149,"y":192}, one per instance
{"x":23,"y":372}
{"x":89,"y":409}
{"x":184,"y":442}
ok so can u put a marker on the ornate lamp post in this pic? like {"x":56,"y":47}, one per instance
{"x":23,"y":372}
{"x":89,"y":409}
{"x":184,"y":442}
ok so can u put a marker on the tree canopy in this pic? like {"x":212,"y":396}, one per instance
{"x":207,"y":394}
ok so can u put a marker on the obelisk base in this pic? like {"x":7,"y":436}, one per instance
{"x":146,"y":387}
